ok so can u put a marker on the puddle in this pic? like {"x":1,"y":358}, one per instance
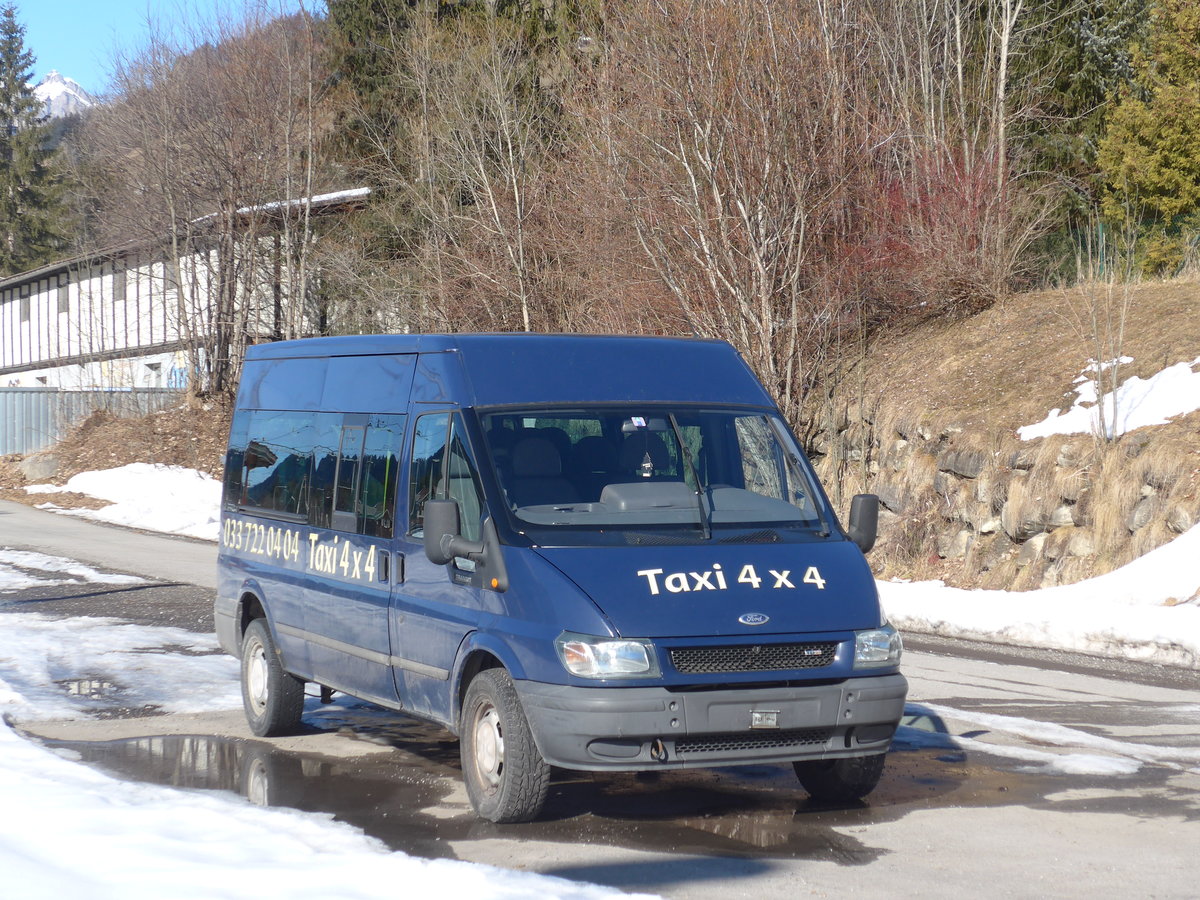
{"x":90,"y":688}
{"x":413,"y":800}
{"x":105,"y":698}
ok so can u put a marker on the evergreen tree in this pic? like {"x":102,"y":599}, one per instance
{"x":34,"y":218}
{"x":1150,"y":154}
{"x":1085,"y":49}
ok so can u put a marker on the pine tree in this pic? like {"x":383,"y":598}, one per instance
{"x":34,"y":218}
{"x":1150,"y":154}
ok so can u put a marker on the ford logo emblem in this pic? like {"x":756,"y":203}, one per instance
{"x":754,"y":619}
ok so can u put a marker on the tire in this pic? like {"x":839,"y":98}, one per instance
{"x":273,"y":699}
{"x":840,"y":780}
{"x":507,"y":779}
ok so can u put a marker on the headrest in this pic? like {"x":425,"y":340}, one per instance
{"x":536,"y":457}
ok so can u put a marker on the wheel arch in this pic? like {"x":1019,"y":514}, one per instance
{"x":479,"y":651}
{"x":251,"y":606}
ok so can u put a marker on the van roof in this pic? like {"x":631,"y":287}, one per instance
{"x":497,"y":369}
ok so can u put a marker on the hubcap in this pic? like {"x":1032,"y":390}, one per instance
{"x":258,"y":784}
{"x":256,"y":676}
{"x":489,"y":745}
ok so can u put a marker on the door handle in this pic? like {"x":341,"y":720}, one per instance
{"x":385,"y":567}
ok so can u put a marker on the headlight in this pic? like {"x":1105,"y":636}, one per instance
{"x":877,"y":648}
{"x":600,"y":657}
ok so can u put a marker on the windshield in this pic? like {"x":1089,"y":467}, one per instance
{"x":651,"y":469}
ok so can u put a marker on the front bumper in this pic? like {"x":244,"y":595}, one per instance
{"x":632,"y":728}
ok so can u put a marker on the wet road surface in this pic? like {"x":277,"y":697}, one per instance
{"x":969,"y":805}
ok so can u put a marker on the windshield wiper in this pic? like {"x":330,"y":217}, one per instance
{"x":705,"y":515}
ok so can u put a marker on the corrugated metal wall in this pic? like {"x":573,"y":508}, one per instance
{"x":34,"y":418}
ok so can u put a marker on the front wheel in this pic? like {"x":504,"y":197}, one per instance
{"x":840,"y":780}
{"x":507,"y":779}
{"x":273,"y":698}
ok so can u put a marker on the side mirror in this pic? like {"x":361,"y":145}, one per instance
{"x":442,"y":539}
{"x":864,"y":521}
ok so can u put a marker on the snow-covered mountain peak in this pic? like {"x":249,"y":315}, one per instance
{"x":62,"y":96}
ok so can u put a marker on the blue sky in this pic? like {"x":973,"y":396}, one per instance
{"x":80,"y":37}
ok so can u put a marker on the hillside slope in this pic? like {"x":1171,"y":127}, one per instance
{"x":930,"y":421}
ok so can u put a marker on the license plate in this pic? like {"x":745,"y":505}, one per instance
{"x":764,"y":718}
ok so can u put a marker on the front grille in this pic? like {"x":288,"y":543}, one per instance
{"x":752,"y":657}
{"x":726,"y":743}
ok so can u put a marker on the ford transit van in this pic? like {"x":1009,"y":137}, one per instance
{"x":597,"y":553}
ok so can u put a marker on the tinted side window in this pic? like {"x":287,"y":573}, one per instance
{"x":235,"y":460}
{"x":277,"y":461}
{"x":313,"y":465}
{"x":429,"y":452}
{"x":327,"y":433}
{"x":462,"y":484}
{"x":442,"y":468}
{"x":347,"y":470}
{"x":380,"y":475}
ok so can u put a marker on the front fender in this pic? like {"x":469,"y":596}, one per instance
{"x":475,"y":647}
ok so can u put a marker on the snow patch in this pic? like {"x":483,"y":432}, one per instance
{"x":1136,"y":403}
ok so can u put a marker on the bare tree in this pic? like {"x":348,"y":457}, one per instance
{"x":747,"y":154}
{"x":209,"y":153}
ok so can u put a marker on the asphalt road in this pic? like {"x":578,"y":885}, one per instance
{"x":978,"y":799}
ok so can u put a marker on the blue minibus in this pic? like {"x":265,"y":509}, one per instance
{"x":590,"y":552}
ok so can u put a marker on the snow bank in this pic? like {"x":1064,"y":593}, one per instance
{"x":1138,"y":403}
{"x":70,"y":831}
{"x":170,"y":499}
{"x":1147,"y":610}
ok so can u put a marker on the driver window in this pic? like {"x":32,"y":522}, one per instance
{"x":462,"y":484}
{"x":429,"y":450}
{"x":442,"y":468}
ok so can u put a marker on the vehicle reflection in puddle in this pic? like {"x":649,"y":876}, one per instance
{"x":90,"y":688}
{"x":412,"y":799}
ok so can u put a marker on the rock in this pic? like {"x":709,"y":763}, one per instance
{"x":1069,"y":456}
{"x":1031,"y":550}
{"x":967,"y":463}
{"x":1081,"y":544}
{"x":39,"y":467}
{"x":992,"y":551}
{"x":1061,"y":516}
{"x":1020,"y":528}
{"x":1135,"y":442}
{"x":1021,"y":460}
{"x":1180,"y":520}
{"x":1071,"y":487}
{"x":990,"y":525}
{"x":956,"y":545}
{"x":1142,"y":514}
{"x":891,"y":497}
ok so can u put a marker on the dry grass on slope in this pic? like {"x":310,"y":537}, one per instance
{"x":1011,"y":364}
{"x":970,"y":502}
{"x":192,"y":435}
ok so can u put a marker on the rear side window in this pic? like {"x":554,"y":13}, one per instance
{"x":327,"y":469}
{"x":380,"y":475}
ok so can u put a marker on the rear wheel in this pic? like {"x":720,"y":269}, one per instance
{"x":507,"y":779}
{"x":273,"y":698}
{"x":840,"y":780}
